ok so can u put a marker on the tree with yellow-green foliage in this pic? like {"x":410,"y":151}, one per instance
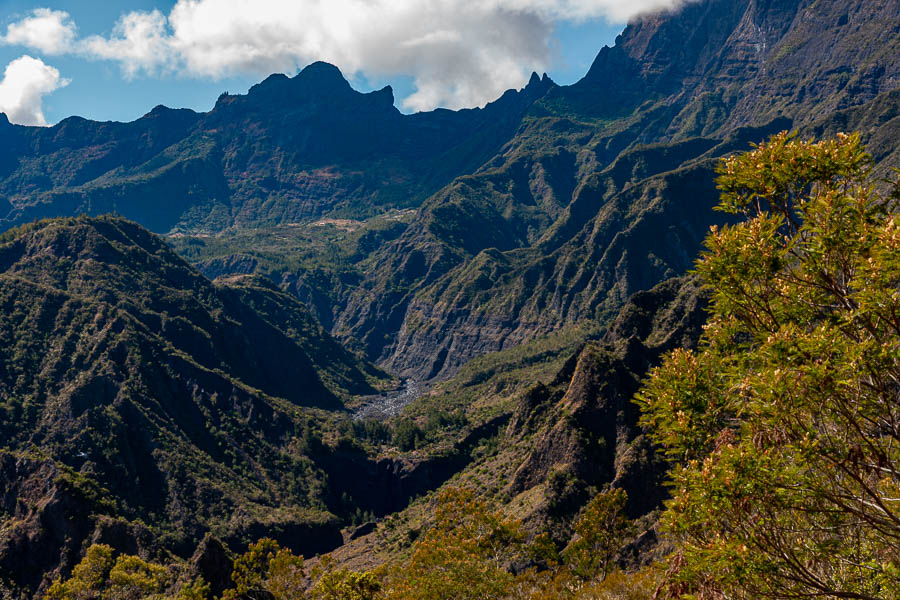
{"x":784,"y":426}
{"x":471,"y":549}
{"x":89,"y":576}
{"x":269,"y":572}
{"x":102,"y":576}
{"x":601,"y":531}
{"x":466,"y":554}
{"x":265,"y":571}
{"x":334,"y":583}
{"x":132,"y":578}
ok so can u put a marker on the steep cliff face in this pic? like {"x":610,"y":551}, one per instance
{"x":813,"y":57}
{"x":583,"y":428}
{"x":609,"y":188}
{"x":721,"y":63}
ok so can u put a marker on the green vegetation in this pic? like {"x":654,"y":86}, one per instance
{"x":267,"y":570}
{"x":779,"y":425}
{"x":488,"y":386}
{"x":407,"y":435}
{"x":149,"y":415}
{"x":783,"y":425}
{"x":465,"y":553}
{"x":334,"y":583}
{"x":600,"y":533}
{"x":319,"y":150}
{"x":101,"y":576}
{"x":155,"y":397}
{"x":324,"y":244}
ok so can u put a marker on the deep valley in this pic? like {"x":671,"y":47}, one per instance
{"x":305,"y":316}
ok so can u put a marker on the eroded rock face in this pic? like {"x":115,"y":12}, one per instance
{"x":45,"y":520}
{"x":212,"y":561}
{"x":600,"y":251}
{"x":584,"y":427}
{"x":435,"y":342}
{"x":572,"y":217}
{"x":728,"y":63}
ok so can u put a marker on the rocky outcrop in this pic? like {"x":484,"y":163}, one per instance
{"x":212,"y":561}
{"x":434,"y":342}
{"x":583,"y":429}
{"x":47,"y":513}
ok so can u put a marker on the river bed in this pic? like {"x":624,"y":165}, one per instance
{"x":389,"y":404}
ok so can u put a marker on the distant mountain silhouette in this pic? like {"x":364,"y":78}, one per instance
{"x":292,"y":148}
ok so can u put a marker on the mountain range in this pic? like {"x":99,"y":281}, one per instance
{"x":549,"y":206}
{"x":192,"y":365}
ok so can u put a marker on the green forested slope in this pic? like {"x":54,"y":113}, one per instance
{"x":148,"y":393}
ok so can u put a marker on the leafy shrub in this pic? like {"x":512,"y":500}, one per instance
{"x":102,"y":576}
{"x":784,"y":425}
{"x":266,"y":571}
{"x":601,"y":531}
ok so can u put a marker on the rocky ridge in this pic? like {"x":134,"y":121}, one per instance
{"x":133,"y":389}
{"x":290,"y":149}
{"x":609,"y":187}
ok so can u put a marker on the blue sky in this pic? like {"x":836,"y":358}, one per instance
{"x":186,"y":58}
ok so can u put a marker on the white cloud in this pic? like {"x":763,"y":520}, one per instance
{"x":458,"y":52}
{"x":615,"y":11}
{"x":139,"y":42}
{"x":50,"y":31}
{"x":24,"y":84}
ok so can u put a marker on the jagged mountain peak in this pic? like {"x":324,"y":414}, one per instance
{"x":161,"y":111}
{"x":539,"y":83}
{"x":290,"y":149}
{"x":322,"y":74}
{"x":319,"y":87}
{"x":753,"y":61}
